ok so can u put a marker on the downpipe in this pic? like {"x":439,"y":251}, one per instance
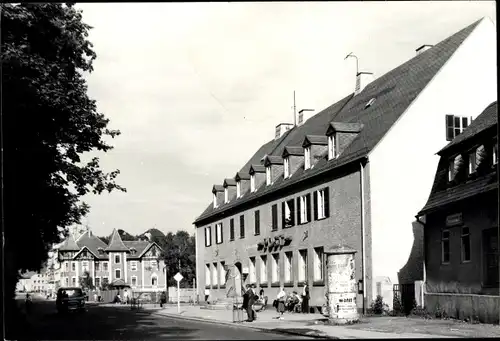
{"x":417,"y":217}
{"x":363,"y":261}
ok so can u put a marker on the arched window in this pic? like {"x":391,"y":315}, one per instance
{"x":154,"y":280}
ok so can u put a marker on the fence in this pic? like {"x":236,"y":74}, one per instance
{"x":484,"y":308}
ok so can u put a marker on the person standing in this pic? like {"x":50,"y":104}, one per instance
{"x":305,"y":299}
{"x":207,"y":293}
{"x":281,"y":297}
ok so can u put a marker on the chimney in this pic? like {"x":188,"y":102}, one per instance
{"x":229,"y":190}
{"x":257,"y":176}
{"x":304,"y":115}
{"x":314,"y":148}
{"x":423,"y":48}
{"x":295,"y":156}
{"x":281,"y":129}
{"x":274,"y":168}
{"x":362,"y":80}
{"x":242,"y":183}
{"x":218,"y":192}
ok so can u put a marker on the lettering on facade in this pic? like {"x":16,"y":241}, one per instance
{"x":454,"y":219}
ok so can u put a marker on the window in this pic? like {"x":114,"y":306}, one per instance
{"x":455,"y":125}
{"x":73,"y":281}
{"x":231,"y":229}
{"x":318,"y":264}
{"x":257,"y":223}
{"x":242,"y":226}
{"x":454,"y":167}
{"x":288,"y":213}
{"x":303,"y":206}
{"x":66,"y":266}
{"x":134,"y":280}
{"x":208,"y":236}
{"x":252,"y":271}
{"x":207,"y":275}
{"x":118,"y":273}
{"x":252,"y":183}
{"x":105,"y":280}
{"x":215,"y":200}
{"x":98,"y":281}
{"x":286,"y":167}
{"x":67,"y":281}
{"x":321,"y":204}
{"x":85,"y":265}
{"x":226,"y":195}
{"x":445,"y":247}
{"x":274,"y":214}
{"x":288,"y":266}
{"x":307,"y":158}
{"x":105,"y":266}
{"x":268,"y":175}
{"x":73,"y":266}
{"x":332,"y":147}
{"x":495,"y":153}
{"x":263,"y":269}
{"x":275,"y":268}
{"x":154,"y":280}
{"x":154,"y":264}
{"x":222,"y":273}
{"x":475,"y":158}
{"x":465,"y":244}
{"x":214,"y":274}
{"x":218,"y":233}
{"x":97,"y":266}
{"x":133,"y":265}
{"x":117,"y":259}
{"x":238,"y":189}
{"x":302,"y":273}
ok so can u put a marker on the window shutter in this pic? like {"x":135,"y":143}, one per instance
{"x":308,"y":206}
{"x":449,"y":127}
{"x":292,"y":211}
{"x":283,"y":215}
{"x":206,"y":236}
{"x":257,"y":222}
{"x":221,"y":233}
{"x":298,"y":211}
{"x":274,"y":212}
{"x":327,"y":202}
{"x":231,"y":229}
{"x":242,"y":226}
{"x":315,"y":206}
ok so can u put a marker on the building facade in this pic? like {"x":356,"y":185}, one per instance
{"x":353,"y":174}
{"x":461,"y":223}
{"x":133,"y":263}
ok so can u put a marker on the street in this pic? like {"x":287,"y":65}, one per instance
{"x":120,"y":323}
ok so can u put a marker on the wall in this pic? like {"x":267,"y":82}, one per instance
{"x":404,"y":163}
{"x":343,"y":226}
{"x":479,"y":307}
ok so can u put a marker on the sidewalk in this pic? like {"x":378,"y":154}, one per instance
{"x":313,"y":325}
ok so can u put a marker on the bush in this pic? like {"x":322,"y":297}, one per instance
{"x":420,"y":312}
{"x":440,"y":313}
{"x":397,"y":307}
{"x":377,"y":306}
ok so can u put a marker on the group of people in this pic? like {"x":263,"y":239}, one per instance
{"x":250,"y":299}
{"x":292,"y":303}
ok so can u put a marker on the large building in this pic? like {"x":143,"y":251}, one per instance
{"x":461,"y":224}
{"x":133,"y":263}
{"x":353,"y":174}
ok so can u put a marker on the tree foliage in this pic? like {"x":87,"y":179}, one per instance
{"x":50,"y":122}
{"x":179,"y":247}
{"x":86,"y":281}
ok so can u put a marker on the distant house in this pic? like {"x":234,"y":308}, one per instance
{"x":355,"y":173}
{"x":461,"y":223}
{"x":133,"y":263}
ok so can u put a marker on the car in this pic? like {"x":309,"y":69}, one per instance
{"x":70,"y":299}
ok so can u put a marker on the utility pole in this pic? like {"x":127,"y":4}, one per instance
{"x":294,"y":111}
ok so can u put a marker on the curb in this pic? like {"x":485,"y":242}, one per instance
{"x":233,"y":324}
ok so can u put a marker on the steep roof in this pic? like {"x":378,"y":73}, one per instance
{"x":394,"y":92}
{"x":487,"y":119}
{"x":70,"y":244}
{"x":93,"y":243}
{"x":139,"y":245}
{"x":116,"y":243}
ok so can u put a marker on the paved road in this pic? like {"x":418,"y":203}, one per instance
{"x":111,"y":323}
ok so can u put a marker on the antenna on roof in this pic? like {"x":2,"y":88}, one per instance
{"x":294,"y":111}
{"x":353,"y":56}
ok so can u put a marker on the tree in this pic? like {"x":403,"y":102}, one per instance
{"x":86,"y":281}
{"x":126,"y":236}
{"x":180,"y":247}
{"x":51,"y":124}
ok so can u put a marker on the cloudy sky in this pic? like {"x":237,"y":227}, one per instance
{"x":196,"y":88}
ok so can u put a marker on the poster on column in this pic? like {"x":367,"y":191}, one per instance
{"x":345,"y":306}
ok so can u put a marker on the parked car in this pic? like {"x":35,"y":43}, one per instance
{"x":70,"y":299}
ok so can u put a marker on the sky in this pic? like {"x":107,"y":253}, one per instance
{"x":197,"y":88}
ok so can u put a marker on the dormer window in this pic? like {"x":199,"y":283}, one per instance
{"x":238,"y":189}
{"x":268,"y":175}
{"x":286,"y":167}
{"x":455,"y":125}
{"x":307,"y":158}
{"x":215,"y":200}
{"x":495,"y":153}
{"x":454,"y":167}
{"x":332,"y":147}
{"x":252,"y":182}
{"x":226,"y":195}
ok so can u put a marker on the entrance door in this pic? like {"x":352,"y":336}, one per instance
{"x":490,"y":256}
